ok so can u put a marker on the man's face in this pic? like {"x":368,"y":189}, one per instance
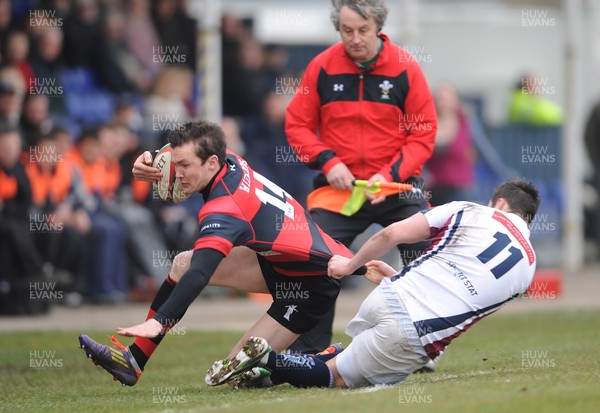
{"x":10,"y":148}
{"x":89,"y":149}
{"x":359,"y":36}
{"x":8,"y":103}
{"x":193,"y":174}
{"x":36,"y":110}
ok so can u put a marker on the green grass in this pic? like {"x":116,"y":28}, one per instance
{"x":481,"y":372}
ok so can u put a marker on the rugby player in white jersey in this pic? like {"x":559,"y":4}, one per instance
{"x":480,"y":258}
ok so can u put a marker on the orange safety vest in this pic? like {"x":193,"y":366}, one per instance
{"x":140,"y":190}
{"x":112,"y":177}
{"x":8,"y":186}
{"x":101,"y":177}
{"x":49,"y":184}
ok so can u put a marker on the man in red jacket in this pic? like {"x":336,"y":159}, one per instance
{"x":363,"y":111}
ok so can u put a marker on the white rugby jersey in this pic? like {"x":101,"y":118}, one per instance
{"x":480,"y":258}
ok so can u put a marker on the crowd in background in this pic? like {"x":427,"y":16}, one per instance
{"x":85,"y":87}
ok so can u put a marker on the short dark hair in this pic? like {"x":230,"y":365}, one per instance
{"x":522,"y":196}
{"x":59,"y":130}
{"x":88,"y":132}
{"x":207,"y":137}
{"x":365,"y":8}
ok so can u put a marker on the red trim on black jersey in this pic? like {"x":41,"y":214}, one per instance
{"x":214,"y":242}
{"x":245,"y":209}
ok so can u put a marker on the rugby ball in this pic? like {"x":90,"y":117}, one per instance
{"x":168,"y":188}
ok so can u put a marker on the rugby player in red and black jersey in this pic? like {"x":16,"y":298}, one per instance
{"x":253,"y":236}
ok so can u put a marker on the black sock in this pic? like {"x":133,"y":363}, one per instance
{"x":142,"y":348}
{"x":300,"y":370}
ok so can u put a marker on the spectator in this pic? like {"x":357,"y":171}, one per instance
{"x":63,"y":140}
{"x":108,"y":275}
{"x":176,"y":30}
{"x":35,"y":119}
{"x":276,"y":62}
{"x":16,"y":53}
{"x":144,"y":239}
{"x":592,"y":143}
{"x":60,"y":8}
{"x":119,"y":70}
{"x":166,"y":106}
{"x":62,"y":227}
{"x":46,"y":59}
{"x":21,"y":261}
{"x":15,"y":79}
{"x":47,"y":62}
{"x":142,"y":40}
{"x":233,"y":137}
{"x":362,"y":111}
{"x":529,"y":107}
{"x":13,"y":76}
{"x":82,"y":29}
{"x":127,"y":114}
{"x":6,"y":23}
{"x":244,"y":81}
{"x":451,"y":166}
{"x":10,"y":110}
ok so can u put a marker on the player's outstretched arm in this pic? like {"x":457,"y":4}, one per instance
{"x":203,"y":264}
{"x":143,"y":169}
{"x":408,"y":231}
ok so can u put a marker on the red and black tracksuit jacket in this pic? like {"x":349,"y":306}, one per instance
{"x":381,"y":120}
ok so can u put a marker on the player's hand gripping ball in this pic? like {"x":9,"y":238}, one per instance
{"x":168,"y":188}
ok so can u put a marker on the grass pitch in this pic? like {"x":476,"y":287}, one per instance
{"x":540,"y":362}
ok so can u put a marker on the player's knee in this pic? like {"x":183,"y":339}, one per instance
{"x":180,"y":265}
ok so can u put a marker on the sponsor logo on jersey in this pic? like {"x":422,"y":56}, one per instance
{"x":460,"y":275}
{"x":212,"y":225}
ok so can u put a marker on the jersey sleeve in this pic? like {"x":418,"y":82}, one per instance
{"x":222,"y":232}
{"x":438,"y":217}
